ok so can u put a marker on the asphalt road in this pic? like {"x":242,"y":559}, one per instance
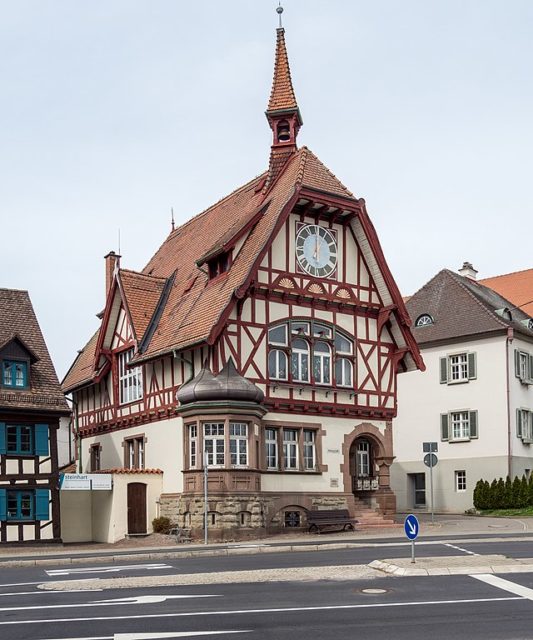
{"x":450,"y":607}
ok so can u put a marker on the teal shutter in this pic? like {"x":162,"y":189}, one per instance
{"x":444,"y":435}
{"x":517,"y":363}
{"x":3,"y":443}
{"x":3,"y":504}
{"x":443,"y":370}
{"x":41,"y":440}
{"x":472,"y":366}
{"x":518,"y":423}
{"x":42,"y":508}
{"x":472,"y":423}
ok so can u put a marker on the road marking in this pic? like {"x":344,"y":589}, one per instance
{"x":472,"y":553}
{"x":114,"y":569}
{"x":189,"y":614}
{"x":109,"y":603}
{"x":37,"y":591}
{"x":158,"y":636}
{"x":506,"y":585}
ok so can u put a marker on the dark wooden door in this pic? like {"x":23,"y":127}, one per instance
{"x":136,"y":507}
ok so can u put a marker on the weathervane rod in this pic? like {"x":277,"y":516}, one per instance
{"x":279,"y":11}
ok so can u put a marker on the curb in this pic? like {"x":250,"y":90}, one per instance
{"x":395,"y":570}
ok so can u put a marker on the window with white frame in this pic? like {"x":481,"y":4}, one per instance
{"x":214,"y":443}
{"x":300,"y":360}
{"x":460,"y":481}
{"x":130,"y":382}
{"x":271,"y":445}
{"x":290,"y":449}
{"x":458,"y":367}
{"x":458,"y":426}
{"x":319,"y":353}
{"x":309,"y":450}
{"x":524,"y":425}
{"x":523,"y":366}
{"x":134,"y":452}
{"x":193,"y":445}
{"x":238,"y":444}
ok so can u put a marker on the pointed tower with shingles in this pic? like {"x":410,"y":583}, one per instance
{"x":283,"y":113}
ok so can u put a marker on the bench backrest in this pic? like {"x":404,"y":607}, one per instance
{"x":328,"y":514}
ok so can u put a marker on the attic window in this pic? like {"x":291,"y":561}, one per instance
{"x":15,"y":374}
{"x":218,"y":265}
{"x":530,"y":324}
{"x":424,"y":320}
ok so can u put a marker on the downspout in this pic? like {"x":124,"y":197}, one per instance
{"x":508,"y":341}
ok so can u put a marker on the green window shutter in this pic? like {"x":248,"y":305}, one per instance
{"x":443,"y":370}
{"x":42,"y":507}
{"x":518,"y":423}
{"x":472,"y":366}
{"x":517,"y":363}
{"x":41,"y":440}
{"x":530,"y":368}
{"x":444,"y":429}
{"x":3,"y":443}
{"x":472,"y":423}
{"x":3,"y":504}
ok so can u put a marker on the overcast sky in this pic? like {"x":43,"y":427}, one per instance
{"x":114,"y":111}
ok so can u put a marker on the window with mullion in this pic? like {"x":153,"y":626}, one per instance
{"x":20,"y":505}
{"x":309,"y":450}
{"x":460,"y":425}
{"x":271,"y":444}
{"x":193,"y":446}
{"x":300,"y":360}
{"x":322,"y":362}
{"x":214,"y":443}
{"x":19,"y":439}
{"x":14,"y":374}
{"x":129,"y":378}
{"x":290,"y":449}
{"x":238,"y":442}
{"x":458,"y":367}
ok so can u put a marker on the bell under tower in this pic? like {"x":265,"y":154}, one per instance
{"x":283,"y":113}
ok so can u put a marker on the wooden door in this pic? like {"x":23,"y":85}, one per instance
{"x":136,"y":507}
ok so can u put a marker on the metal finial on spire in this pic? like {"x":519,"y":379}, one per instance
{"x":172,"y":213}
{"x":279,"y":11}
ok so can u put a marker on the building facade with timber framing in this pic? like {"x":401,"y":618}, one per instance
{"x":31,"y":406}
{"x":264,"y":337}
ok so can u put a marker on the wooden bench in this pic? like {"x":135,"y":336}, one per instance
{"x":330,"y":518}
{"x":180,"y":534}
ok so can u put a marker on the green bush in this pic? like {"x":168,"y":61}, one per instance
{"x":161,"y":525}
{"x":504,"y":494}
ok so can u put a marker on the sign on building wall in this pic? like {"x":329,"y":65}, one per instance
{"x":85,"y":481}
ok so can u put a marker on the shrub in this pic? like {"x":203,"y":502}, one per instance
{"x":161,"y":525}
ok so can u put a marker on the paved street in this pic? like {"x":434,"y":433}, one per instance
{"x":319,"y":605}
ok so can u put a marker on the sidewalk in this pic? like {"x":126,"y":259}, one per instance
{"x":158,"y":547}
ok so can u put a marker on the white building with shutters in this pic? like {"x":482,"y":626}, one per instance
{"x":475,"y":399}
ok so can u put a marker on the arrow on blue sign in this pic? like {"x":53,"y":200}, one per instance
{"x":411,"y":527}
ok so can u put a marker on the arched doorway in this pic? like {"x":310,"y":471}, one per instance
{"x":363,"y":468}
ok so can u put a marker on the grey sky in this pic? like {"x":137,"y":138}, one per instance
{"x":113,"y":111}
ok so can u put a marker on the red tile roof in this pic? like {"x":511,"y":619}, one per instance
{"x":517,"y":287}
{"x":142,"y":294}
{"x":18,"y":321}
{"x":282,"y":95}
{"x":125,"y":470}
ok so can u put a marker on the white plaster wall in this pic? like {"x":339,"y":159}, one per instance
{"x":76,"y":516}
{"x":421,"y":401}
{"x":163,"y":450}
{"x":65,"y":442}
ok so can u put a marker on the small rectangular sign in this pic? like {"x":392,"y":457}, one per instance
{"x":430,"y":447}
{"x":86,"y":481}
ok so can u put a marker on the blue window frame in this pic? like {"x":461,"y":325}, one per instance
{"x":14,"y":374}
{"x":24,"y":504}
{"x":24,"y":439}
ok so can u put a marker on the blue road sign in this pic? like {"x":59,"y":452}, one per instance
{"x":411,"y":527}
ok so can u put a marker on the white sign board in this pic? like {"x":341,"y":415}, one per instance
{"x":86,"y":481}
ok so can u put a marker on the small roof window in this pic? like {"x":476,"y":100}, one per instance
{"x":424,"y":320}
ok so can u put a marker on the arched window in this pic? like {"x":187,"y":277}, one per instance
{"x":277,"y":364}
{"x":300,"y":360}
{"x":424,"y":320}
{"x":322,"y":363}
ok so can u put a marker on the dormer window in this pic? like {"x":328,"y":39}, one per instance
{"x":424,"y":320}
{"x":14,"y":374}
{"x":218,"y":265}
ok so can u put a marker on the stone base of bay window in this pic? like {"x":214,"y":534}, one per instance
{"x":243,"y":515}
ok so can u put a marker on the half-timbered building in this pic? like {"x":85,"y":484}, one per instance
{"x":263,"y":339}
{"x":31,"y":406}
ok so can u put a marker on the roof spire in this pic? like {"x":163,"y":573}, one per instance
{"x":283,"y":113}
{"x":172,"y":218}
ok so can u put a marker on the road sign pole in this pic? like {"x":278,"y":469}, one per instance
{"x":412,"y":551}
{"x":411,"y":527}
{"x":431,"y":485}
{"x":206,"y":506}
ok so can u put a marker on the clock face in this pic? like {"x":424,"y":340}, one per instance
{"x":316,"y":250}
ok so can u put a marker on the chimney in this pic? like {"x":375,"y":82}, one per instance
{"x":112,"y":264}
{"x":468,"y":271}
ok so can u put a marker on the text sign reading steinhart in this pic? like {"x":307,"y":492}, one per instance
{"x":411,"y":527}
{"x":86,"y":482}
